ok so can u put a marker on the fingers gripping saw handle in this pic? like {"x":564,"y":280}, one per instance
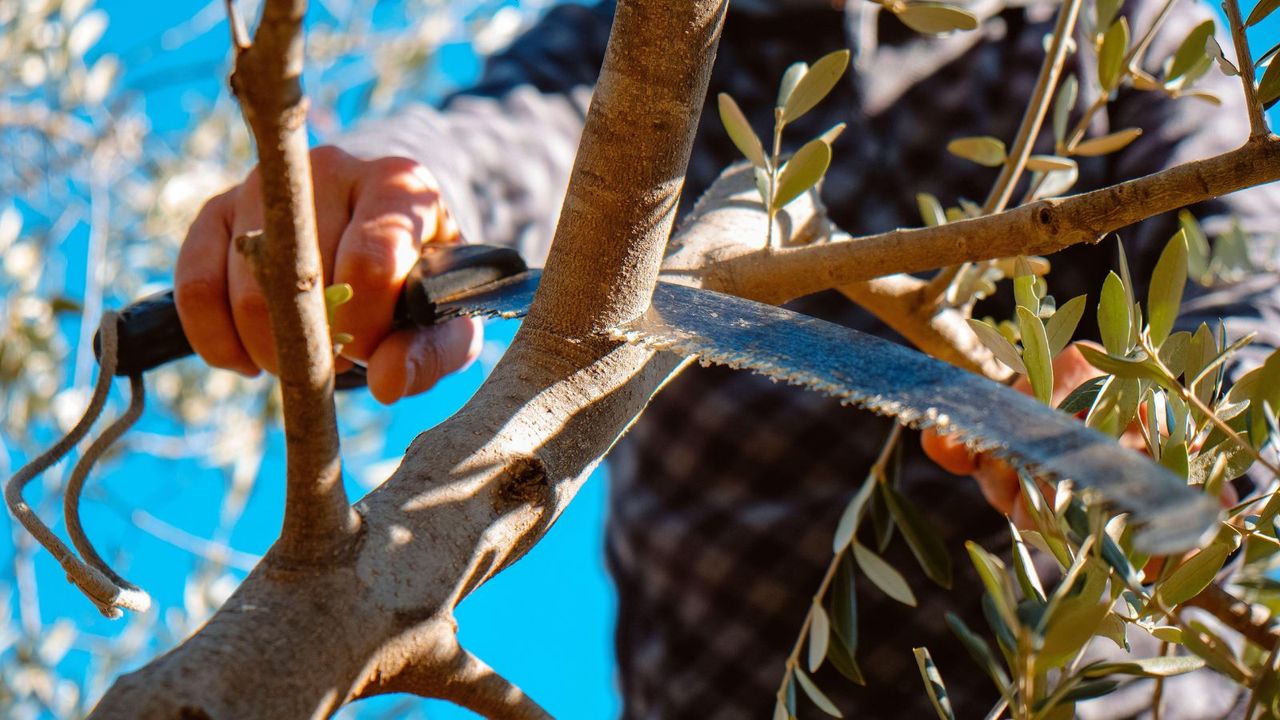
{"x":150,"y":333}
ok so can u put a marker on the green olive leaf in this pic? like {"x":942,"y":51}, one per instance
{"x":1261,"y":11}
{"x":1036,"y":355}
{"x":1192,"y":576}
{"x":924,"y":541}
{"x":1164,"y":297}
{"x":1113,"y":315}
{"x":930,"y":210}
{"x":1108,"y":143}
{"x":833,"y":133}
{"x":984,"y":150}
{"x":1190,"y":52}
{"x":1105,"y":13}
{"x":1269,"y":86}
{"x":1062,"y":324}
{"x":883,"y":575}
{"x":1214,"y":50}
{"x":1165,"y":666}
{"x":802,"y":171}
{"x":933,"y":684}
{"x":815,"y":85}
{"x":822,"y":701}
{"x":1115,"y":44}
{"x":790,"y":79}
{"x":979,"y":650}
{"x":1197,"y":246}
{"x":999,"y":346}
{"x":1063,"y":103}
{"x":740,"y":132}
{"x":819,"y":636}
{"x":1050,"y":163}
{"x":934,"y":18}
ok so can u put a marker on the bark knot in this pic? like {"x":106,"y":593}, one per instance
{"x":523,"y":482}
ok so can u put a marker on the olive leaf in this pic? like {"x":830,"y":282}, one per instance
{"x":1164,"y":297}
{"x":1105,"y":13}
{"x":1261,"y":11}
{"x":979,"y":650}
{"x":1190,"y":52}
{"x":924,"y":541}
{"x":1113,"y":315}
{"x":1054,"y":183}
{"x":934,"y":18}
{"x":984,"y":150}
{"x":740,"y":132}
{"x":1036,"y":355}
{"x":1062,"y":324}
{"x":1214,"y":50}
{"x":848,"y":524}
{"x":1049,"y":163}
{"x":999,"y":346}
{"x":790,"y":79}
{"x":1269,"y":86}
{"x":1165,"y":666}
{"x":1191,"y":577}
{"x":1108,"y":143}
{"x":930,"y":210}
{"x":833,"y":133}
{"x":802,"y":171}
{"x":815,"y":85}
{"x":933,"y":684}
{"x":1111,"y":56}
{"x":819,"y":636}
{"x":822,"y":701}
{"x":1197,"y":246}
{"x":1063,"y":103}
{"x":883,"y":575}
{"x":995,"y":578}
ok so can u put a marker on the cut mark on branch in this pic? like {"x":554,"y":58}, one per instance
{"x":523,"y":482}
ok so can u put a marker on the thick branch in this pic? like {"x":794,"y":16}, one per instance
{"x":286,"y":262}
{"x":474,"y":493}
{"x":1039,"y":228}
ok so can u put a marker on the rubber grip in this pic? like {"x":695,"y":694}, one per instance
{"x":151,"y":334}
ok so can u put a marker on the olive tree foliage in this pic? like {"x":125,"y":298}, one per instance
{"x":381,"y":577}
{"x":86,"y":182}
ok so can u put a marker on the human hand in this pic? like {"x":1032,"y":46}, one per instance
{"x":997,"y":480}
{"x":372,"y":218}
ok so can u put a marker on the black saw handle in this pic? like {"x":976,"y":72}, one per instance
{"x":151,"y":334}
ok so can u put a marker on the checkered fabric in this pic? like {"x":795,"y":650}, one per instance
{"x":726,"y":493}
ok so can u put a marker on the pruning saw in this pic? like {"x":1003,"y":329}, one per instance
{"x":853,"y":367}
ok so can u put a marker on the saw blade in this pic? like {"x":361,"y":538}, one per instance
{"x":893,"y":380}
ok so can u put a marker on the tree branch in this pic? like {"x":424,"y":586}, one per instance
{"x":1039,"y":228}
{"x":1253,"y":622}
{"x":318,"y":519}
{"x":474,"y":493}
{"x":1244,"y":58}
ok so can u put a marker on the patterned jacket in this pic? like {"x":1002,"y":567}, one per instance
{"x":726,"y":493}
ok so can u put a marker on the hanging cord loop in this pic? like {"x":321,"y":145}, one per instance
{"x":107,"y":590}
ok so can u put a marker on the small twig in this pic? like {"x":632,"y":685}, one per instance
{"x":286,"y":264}
{"x":1244,"y":59}
{"x":1253,"y":622}
{"x":1037,"y":109}
{"x":1157,"y":691}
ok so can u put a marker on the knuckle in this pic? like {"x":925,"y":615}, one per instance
{"x":329,"y":155}
{"x":371,"y":257}
{"x":251,"y":305}
{"x":197,"y":295}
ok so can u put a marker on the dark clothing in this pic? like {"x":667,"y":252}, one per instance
{"x":726,"y":493}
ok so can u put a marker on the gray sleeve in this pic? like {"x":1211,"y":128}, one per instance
{"x":503,"y":149}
